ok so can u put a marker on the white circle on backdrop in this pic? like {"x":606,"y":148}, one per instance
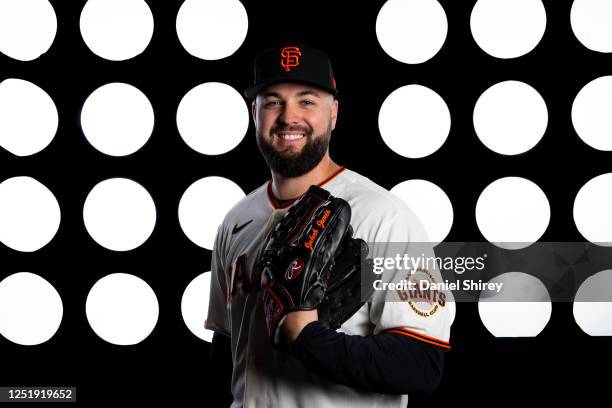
{"x":590,"y":21}
{"x":508,"y":28}
{"x":212,"y":118}
{"x":522,"y":308}
{"x":591,"y":113}
{"x":29,"y":214}
{"x":20,"y":102}
{"x":119,"y":214}
{"x":414,"y":121}
{"x":510,"y":117}
{"x":27,"y":28}
{"x":122,"y":309}
{"x":116,"y":30}
{"x":430,"y":204}
{"x":512,"y":212}
{"x":31,"y":310}
{"x":204,"y":205}
{"x":117,"y":119}
{"x":194,"y":306}
{"x":593,"y":304}
{"x":411,"y":31}
{"x":592,"y":210}
{"x":212,"y":29}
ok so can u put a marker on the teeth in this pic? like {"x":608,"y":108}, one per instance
{"x":291,"y":136}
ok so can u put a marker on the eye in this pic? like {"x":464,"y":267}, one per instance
{"x":269,"y":103}
{"x":307,"y":101}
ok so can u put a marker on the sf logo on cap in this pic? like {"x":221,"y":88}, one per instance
{"x":290,"y":57}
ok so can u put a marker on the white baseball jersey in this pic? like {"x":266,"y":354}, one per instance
{"x":265,"y":377}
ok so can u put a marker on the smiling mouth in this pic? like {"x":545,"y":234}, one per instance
{"x":290,"y":135}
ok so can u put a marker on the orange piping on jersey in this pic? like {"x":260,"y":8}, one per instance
{"x":420,"y":336}
{"x":333,"y":176}
{"x":275,"y":203}
{"x":423,"y":336}
{"x":446,"y":348}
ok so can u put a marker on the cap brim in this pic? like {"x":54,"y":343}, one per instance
{"x":252,"y":91}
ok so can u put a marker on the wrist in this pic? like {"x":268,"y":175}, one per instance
{"x":294,"y":322}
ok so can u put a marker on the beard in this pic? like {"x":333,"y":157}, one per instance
{"x":289,"y":164}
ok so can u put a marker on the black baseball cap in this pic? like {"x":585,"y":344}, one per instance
{"x":292,"y":62}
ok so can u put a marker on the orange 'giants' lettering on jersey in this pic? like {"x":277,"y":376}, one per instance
{"x":419,"y":295}
{"x":424,"y":302}
{"x":290,"y":58}
{"x":241,"y":279}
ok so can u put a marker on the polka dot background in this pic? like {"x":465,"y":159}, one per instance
{"x":125,"y":137}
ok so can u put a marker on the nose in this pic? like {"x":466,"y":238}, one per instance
{"x":289,"y":114}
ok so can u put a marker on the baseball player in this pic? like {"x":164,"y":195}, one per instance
{"x":384,"y":351}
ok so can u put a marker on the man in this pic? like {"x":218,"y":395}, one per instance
{"x":387,"y":349}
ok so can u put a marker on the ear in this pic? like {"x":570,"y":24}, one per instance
{"x":254,"y":109}
{"x":334,"y":113}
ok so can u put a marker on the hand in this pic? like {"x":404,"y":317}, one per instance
{"x":294,"y":322}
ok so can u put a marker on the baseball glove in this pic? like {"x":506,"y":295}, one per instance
{"x":347,"y":285}
{"x":310,"y":254}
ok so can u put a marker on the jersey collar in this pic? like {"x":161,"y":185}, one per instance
{"x":274,"y":202}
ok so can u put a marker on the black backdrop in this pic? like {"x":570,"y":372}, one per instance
{"x":172,"y":363}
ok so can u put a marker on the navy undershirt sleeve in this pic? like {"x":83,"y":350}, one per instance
{"x":388,"y":363}
{"x":220,"y":357}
